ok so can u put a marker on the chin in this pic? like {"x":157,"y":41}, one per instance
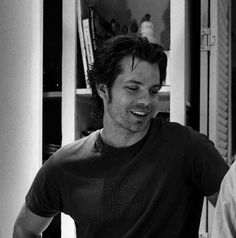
{"x":139,"y":127}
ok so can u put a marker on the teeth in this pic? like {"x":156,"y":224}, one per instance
{"x":140,"y":113}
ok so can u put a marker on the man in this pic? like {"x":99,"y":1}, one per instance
{"x":137,"y":176}
{"x":224,"y":218}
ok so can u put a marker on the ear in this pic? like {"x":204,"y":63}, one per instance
{"x":102,"y":91}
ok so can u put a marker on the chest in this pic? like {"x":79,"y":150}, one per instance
{"x":124,"y":193}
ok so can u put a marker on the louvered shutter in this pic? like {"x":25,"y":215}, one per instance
{"x":215,"y":91}
{"x":220,"y":78}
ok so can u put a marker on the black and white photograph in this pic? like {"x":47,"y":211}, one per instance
{"x":117,"y":119}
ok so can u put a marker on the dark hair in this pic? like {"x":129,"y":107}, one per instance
{"x":107,"y":67}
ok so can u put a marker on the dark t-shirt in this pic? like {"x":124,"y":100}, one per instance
{"x":153,"y":188}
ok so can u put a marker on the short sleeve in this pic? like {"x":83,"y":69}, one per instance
{"x":206,"y":166}
{"x":43,"y":198}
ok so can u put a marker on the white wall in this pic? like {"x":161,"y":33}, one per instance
{"x":20,"y":104}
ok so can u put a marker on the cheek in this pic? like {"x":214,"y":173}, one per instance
{"x":156,"y":107}
{"x":118,"y":106}
{"x":120,"y":98}
{"x":155,"y":102}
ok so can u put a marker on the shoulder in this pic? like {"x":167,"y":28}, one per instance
{"x":228,"y":187}
{"x":175,"y":133}
{"x":230,"y":177}
{"x":87,"y":141}
{"x":172,"y":131}
{"x":232,"y":170}
{"x":76,"y":150}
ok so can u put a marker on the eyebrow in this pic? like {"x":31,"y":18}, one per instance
{"x":134,"y":81}
{"x":140,"y":83}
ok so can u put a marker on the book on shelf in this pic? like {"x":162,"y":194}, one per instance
{"x":82,"y":43}
{"x":93,"y":31}
{"x":100,"y":28}
{"x":81,"y":72}
{"x":88,"y":41}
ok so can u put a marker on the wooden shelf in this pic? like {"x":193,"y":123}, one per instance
{"x":87,"y":91}
{"x":52,"y":94}
{"x":165,"y":89}
{"x":83,"y":91}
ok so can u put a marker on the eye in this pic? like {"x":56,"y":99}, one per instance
{"x":132,"y":88}
{"x":154,"y":91}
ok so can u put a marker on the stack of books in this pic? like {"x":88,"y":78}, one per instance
{"x":93,"y":31}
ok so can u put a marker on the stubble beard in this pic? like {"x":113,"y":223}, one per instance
{"x":121,"y":118}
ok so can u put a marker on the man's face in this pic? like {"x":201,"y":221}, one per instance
{"x":134,"y":96}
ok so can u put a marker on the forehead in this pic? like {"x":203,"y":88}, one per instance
{"x":139,"y":70}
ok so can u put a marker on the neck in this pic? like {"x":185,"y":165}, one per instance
{"x":121,"y":137}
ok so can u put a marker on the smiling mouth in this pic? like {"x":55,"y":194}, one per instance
{"x":139,"y":113}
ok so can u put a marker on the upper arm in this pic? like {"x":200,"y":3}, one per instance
{"x":29,"y":223}
{"x":207,"y":167}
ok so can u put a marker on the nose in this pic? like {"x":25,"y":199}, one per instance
{"x":145,"y":99}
